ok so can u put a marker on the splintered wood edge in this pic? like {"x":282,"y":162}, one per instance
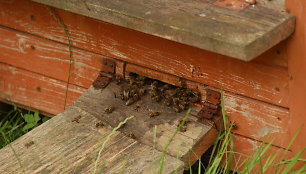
{"x":244,"y":48}
{"x":63,"y":145}
{"x":187,"y":146}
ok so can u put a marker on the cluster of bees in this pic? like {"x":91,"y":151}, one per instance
{"x":178,"y":98}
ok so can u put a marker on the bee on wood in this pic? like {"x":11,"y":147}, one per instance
{"x":176,"y":108}
{"x":175,"y":100}
{"x":77,"y":119}
{"x":156,"y":98}
{"x":29,"y":144}
{"x":183,"y":105}
{"x":138,"y":105}
{"x":131,"y":135}
{"x":184,"y":126}
{"x":141,"y":92}
{"x":141,"y":78}
{"x":130,"y":101}
{"x":109,"y":109}
{"x":164,"y":87}
{"x":99,"y":124}
{"x":154,"y":114}
{"x":154,"y":83}
{"x":167,"y":101}
{"x":136,"y":97}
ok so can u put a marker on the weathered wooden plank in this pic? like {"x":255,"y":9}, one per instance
{"x":34,"y":54}
{"x":142,"y":126}
{"x":257,"y":120}
{"x":239,"y":34}
{"x":266,"y":83}
{"x":254,"y":119}
{"x":49,"y":58}
{"x":65,"y":146}
{"x":31,"y":89}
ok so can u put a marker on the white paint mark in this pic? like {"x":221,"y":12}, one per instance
{"x":202,"y":15}
{"x":21,"y":45}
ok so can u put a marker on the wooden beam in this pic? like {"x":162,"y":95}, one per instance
{"x":265,"y":81}
{"x":239,"y":34}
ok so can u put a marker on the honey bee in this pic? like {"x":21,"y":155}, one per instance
{"x":77,"y":119}
{"x":131,"y":135}
{"x":156,"y":98}
{"x":184,"y":126}
{"x":176,"y":108}
{"x":28,"y":144}
{"x":141,"y":91}
{"x":109,"y":109}
{"x":129,"y":101}
{"x":99,"y":124}
{"x":154,"y":114}
{"x":138,"y":105}
{"x":154,"y":83}
{"x":167,"y":101}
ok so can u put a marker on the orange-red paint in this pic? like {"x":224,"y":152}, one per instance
{"x":249,"y":79}
{"x":296,"y":50}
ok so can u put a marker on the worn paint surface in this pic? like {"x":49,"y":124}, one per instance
{"x":297,"y":69}
{"x":250,"y":79}
{"x":31,"y":89}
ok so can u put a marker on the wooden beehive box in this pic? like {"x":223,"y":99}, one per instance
{"x":246,"y":52}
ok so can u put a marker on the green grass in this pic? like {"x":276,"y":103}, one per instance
{"x":16,"y":122}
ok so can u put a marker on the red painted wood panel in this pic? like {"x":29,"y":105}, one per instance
{"x":34,"y":54}
{"x":296,"y":50}
{"x":48,"y":58}
{"x":262,"y":82}
{"x":31,"y":89}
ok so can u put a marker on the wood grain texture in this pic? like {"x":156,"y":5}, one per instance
{"x":31,"y":89}
{"x":239,"y":34}
{"x":262,"y":82}
{"x":34,"y":54}
{"x":63,"y":146}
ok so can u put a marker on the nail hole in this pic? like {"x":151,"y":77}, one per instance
{"x":278,"y":52}
{"x":277,"y":89}
{"x":38,"y":88}
{"x":32,"y":17}
{"x":33,"y":47}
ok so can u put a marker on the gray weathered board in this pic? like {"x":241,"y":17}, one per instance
{"x":241,"y":34}
{"x":62,"y":145}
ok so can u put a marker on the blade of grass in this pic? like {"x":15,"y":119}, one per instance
{"x":106,"y":140}
{"x":293,"y":162}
